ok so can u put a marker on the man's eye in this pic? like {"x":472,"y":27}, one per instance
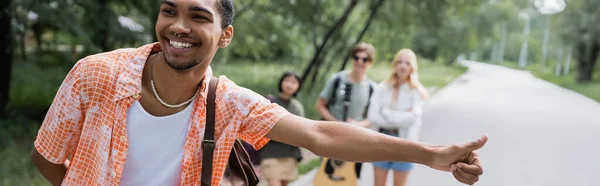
{"x":199,"y":17}
{"x":169,"y":12}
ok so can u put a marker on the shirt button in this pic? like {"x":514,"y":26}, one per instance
{"x":135,"y":96}
{"x":123,"y":138}
{"x":113,"y":174}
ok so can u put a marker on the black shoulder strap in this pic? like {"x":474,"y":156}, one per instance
{"x":336,"y":84}
{"x":208,"y":144}
{"x":368,"y":100}
{"x":370,"y":89}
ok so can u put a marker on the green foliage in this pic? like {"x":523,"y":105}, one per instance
{"x":91,"y":24}
{"x":579,"y":22}
{"x":582,"y":32}
{"x":287,"y":28}
{"x":15,"y":147}
{"x":33,"y":88}
{"x":17,"y":168}
{"x":432,"y":75}
{"x":290,"y":30}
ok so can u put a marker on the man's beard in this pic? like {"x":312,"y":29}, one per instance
{"x":180,"y":65}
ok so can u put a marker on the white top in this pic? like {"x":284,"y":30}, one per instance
{"x":155,"y":147}
{"x":384,"y":113}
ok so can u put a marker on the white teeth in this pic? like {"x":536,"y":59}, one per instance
{"x":176,"y":44}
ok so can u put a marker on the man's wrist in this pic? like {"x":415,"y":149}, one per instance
{"x":429,"y":152}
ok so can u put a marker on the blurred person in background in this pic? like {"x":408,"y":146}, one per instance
{"x":331,"y":102}
{"x":395,"y":110}
{"x":279,"y":161}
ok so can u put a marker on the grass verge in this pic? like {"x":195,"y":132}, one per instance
{"x":591,"y":89}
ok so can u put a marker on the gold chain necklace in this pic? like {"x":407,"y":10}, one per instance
{"x":158,"y":97}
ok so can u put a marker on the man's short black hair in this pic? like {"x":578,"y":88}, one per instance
{"x":225,"y":8}
{"x":295,"y":75}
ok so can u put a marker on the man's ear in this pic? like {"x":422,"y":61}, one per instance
{"x":226,"y":36}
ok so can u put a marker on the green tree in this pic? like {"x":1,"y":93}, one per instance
{"x":580,"y":22}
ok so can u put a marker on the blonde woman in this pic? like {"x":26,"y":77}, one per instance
{"x":396,"y":109}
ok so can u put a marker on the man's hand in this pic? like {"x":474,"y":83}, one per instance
{"x":461,"y":160}
{"x":468,"y":174}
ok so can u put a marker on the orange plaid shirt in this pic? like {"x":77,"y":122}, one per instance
{"x":87,"y":120}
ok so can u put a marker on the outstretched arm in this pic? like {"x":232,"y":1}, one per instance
{"x":346,"y":142}
{"x":352,"y":143}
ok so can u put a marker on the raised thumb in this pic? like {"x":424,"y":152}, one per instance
{"x":477,"y":144}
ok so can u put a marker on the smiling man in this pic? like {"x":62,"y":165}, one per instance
{"x":137,"y":116}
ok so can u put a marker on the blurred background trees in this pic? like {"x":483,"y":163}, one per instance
{"x":43,"y":39}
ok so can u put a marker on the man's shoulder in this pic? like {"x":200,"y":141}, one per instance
{"x":226,"y":85}
{"x":342,"y":74}
{"x":113,"y":53}
{"x":99,"y":72}
{"x":229,"y":89}
{"x":119,"y":57}
{"x":241,"y":98}
{"x":338,"y":76}
{"x":104,"y":62}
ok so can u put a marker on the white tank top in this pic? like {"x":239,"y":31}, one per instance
{"x":155,"y":147}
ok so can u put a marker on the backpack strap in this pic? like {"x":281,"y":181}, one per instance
{"x":368,"y":100}
{"x":208,"y":144}
{"x":370,"y":89}
{"x":336,"y":84}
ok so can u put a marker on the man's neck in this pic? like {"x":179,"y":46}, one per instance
{"x":356,"y":76}
{"x":174,"y":86}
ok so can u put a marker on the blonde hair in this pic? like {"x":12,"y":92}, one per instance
{"x":413,"y":78}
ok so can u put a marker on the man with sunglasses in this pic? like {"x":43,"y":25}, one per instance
{"x":330,"y":104}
